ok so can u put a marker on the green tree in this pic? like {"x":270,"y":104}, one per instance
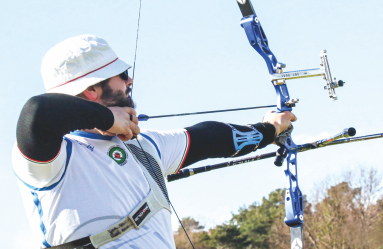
{"x":197,"y":235}
{"x":228,"y":236}
{"x":253,"y":227}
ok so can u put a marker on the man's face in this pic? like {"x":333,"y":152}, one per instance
{"x":116,"y":92}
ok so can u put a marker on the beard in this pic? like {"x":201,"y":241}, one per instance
{"x":116,"y":98}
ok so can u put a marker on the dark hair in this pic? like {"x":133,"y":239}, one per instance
{"x":110,"y":97}
{"x":103,"y":84}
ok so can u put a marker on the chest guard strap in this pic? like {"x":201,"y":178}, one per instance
{"x":155,"y":201}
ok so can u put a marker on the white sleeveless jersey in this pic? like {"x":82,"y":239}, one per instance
{"x":93,"y":182}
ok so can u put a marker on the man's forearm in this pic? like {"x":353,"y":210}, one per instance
{"x":215,"y":139}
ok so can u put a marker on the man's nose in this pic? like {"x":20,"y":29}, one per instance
{"x":129,"y":82}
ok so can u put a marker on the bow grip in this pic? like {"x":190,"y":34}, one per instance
{"x":281,"y":141}
{"x":281,"y":155}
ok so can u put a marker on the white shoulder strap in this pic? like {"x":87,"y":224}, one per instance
{"x":157,"y":199}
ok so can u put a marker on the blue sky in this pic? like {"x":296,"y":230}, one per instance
{"x":194,"y":56}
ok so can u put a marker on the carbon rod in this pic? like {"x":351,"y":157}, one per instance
{"x":144,"y":117}
{"x":184,"y":173}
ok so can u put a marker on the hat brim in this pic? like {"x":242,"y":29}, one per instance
{"x":78,"y":85}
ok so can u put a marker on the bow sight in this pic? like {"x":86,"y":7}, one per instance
{"x":279,"y":77}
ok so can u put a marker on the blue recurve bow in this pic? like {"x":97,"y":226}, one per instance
{"x":288,"y":149}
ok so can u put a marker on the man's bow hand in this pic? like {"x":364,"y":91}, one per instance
{"x":281,"y":121}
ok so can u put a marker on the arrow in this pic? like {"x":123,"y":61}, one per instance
{"x":144,"y":117}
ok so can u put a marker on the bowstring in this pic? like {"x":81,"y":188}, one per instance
{"x":135,"y":51}
{"x":147,"y":159}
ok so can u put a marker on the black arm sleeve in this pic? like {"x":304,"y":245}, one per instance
{"x":215,"y":139}
{"x":46,"y":118}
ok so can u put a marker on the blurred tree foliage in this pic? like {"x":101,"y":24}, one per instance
{"x":198,"y":236}
{"x":344,"y":213}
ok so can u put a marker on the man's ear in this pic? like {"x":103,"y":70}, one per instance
{"x":93,"y":93}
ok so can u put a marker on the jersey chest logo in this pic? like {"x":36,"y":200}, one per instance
{"x":118,"y":155}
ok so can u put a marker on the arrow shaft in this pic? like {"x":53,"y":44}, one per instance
{"x":143,"y":117}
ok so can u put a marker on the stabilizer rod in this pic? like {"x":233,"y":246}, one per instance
{"x":334,"y":140}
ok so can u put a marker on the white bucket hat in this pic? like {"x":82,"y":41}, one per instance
{"x":79,"y":62}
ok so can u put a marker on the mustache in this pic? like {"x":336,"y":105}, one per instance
{"x":128,"y":90}
{"x":124,"y":102}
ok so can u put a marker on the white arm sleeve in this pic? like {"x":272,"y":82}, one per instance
{"x":39,"y":174}
{"x":173,"y":147}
